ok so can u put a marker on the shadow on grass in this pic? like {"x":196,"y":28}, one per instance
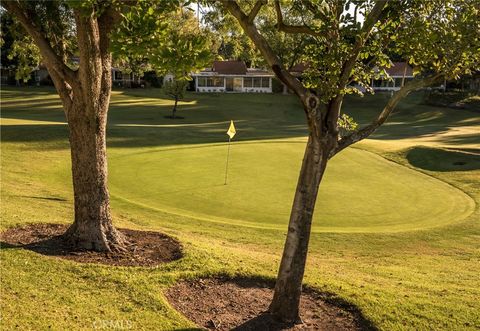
{"x":435,"y":159}
{"x":134,"y":122}
{"x":55,"y":136}
{"x":46,"y":240}
{"x":40,"y":198}
{"x":142,"y":248}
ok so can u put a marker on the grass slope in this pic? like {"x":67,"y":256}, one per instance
{"x":408,"y":279}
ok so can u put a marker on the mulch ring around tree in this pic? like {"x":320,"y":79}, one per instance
{"x":145,"y":248}
{"x":241,"y":304}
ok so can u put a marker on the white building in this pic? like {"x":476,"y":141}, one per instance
{"x":400,"y":72}
{"x":396,"y":76}
{"x":233,"y":76}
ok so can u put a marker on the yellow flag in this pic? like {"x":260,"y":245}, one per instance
{"x":231,"y":130}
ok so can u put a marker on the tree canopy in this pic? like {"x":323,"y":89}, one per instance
{"x":151,"y":36}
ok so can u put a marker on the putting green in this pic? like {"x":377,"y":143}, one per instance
{"x":361,"y":191}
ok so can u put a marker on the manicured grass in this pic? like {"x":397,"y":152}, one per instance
{"x":396,"y":229}
{"x":382,"y":196}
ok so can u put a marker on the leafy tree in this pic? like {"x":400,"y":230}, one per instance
{"x":17,"y":49}
{"x":87,"y":29}
{"x":231,"y":43}
{"x":234,"y":44}
{"x":187,"y":48}
{"x":175,"y":89}
{"x":347,"y":41}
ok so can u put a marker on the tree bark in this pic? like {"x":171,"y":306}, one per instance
{"x":174,"y":110}
{"x":288,"y":288}
{"x":92,"y":228}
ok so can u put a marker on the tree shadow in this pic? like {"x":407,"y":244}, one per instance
{"x":413,"y":119}
{"x":436,"y":159}
{"x":143,"y":248}
{"x":46,"y":240}
{"x":136,"y":119}
{"x":40,"y":198}
{"x":268,"y":322}
{"x":228,"y":303}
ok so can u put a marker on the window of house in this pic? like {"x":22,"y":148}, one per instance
{"x":247,"y":82}
{"x":257,"y":82}
{"x":217,"y":82}
{"x":210,"y":81}
{"x":386,"y":83}
{"x":201,"y":81}
{"x":265,"y":82}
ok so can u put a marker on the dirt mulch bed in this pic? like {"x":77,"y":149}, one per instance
{"x":145,"y":248}
{"x":241,"y":304}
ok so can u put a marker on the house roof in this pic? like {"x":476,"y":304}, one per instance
{"x":237,"y":68}
{"x":258,"y":72}
{"x":300,"y":67}
{"x":400,"y":69}
{"x":230,"y":67}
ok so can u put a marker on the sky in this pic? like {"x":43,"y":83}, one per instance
{"x":199,"y":10}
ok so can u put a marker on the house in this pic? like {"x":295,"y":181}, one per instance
{"x":7,"y":75}
{"x":400,"y":72}
{"x":39,"y":76}
{"x":233,"y":76}
{"x":298,"y":69}
{"x":127,"y":80}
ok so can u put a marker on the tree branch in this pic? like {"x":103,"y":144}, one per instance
{"x":256,"y":8}
{"x":294,"y":29}
{"x":383,"y":116}
{"x":52,"y":60}
{"x":371,"y":19}
{"x":272,"y":59}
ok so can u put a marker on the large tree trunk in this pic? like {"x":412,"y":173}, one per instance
{"x":288,"y":288}
{"x":85,"y":94}
{"x":87,"y":118}
{"x":92,"y":228}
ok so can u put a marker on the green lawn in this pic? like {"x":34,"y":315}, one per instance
{"x":396,"y":228}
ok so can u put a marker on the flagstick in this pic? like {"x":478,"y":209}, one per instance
{"x":228,"y":155}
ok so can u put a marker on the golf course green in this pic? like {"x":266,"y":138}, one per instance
{"x":189,"y":180}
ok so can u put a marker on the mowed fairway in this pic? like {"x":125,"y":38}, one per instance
{"x":396,"y":228}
